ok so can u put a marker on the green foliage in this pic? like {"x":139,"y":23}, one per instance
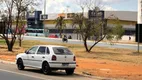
{"x":116,"y":31}
{"x":60,"y":24}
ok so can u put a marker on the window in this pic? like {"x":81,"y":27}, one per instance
{"x":48,"y":52}
{"x":32,"y":50}
{"x":41,"y":50}
{"x":61,"y":51}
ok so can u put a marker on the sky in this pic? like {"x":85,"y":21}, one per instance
{"x":61,"y":6}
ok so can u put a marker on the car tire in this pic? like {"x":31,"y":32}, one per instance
{"x":69,"y":71}
{"x":20,"y":64}
{"x":45,"y":68}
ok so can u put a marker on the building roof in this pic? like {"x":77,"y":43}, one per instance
{"x":122,"y":15}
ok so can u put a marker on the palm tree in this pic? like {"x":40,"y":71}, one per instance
{"x":60,"y":25}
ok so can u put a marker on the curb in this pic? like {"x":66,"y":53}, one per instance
{"x":7,"y":62}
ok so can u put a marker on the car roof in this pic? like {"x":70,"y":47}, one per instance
{"x":50,"y":45}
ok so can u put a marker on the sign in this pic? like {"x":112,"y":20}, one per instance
{"x":70,"y":15}
{"x":139,"y":17}
{"x":43,"y":17}
{"x":92,"y":14}
{"x":61,"y":15}
{"x":31,"y":14}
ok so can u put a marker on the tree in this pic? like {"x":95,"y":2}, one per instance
{"x":96,"y":28}
{"x":87,"y":28}
{"x":116,"y":31}
{"x":21,"y":7}
{"x":12,"y":8}
{"x":7,"y":20}
{"x":21,"y":31}
{"x":60,"y":24}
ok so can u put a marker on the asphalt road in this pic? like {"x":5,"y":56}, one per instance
{"x":101,"y":44}
{"x":10,"y":72}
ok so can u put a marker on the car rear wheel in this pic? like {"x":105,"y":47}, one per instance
{"x":69,"y":71}
{"x":45,"y":68}
{"x":20,"y":65}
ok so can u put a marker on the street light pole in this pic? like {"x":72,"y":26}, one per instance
{"x":138,"y":38}
{"x":44,"y":7}
{"x":44,"y":18}
{"x":139,"y":22}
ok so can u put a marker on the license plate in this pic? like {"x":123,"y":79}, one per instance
{"x":65,"y":64}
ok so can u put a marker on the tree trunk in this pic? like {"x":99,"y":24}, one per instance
{"x":60,"y":34}
{"x":10,"y":43}
{"x":85,"y":44}
{"x":96,"y":43}
{"x":10,"y":47}
{"x":20,"y":43}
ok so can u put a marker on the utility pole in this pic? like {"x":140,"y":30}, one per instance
{"x":139,"y":22}
{"x":44,"y":7}
{"x":138,"y":38}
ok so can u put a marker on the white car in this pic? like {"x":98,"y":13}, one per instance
{"x":47,"y":58}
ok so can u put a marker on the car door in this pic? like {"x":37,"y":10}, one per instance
{"x":40,"y":56}
{"x":31,"y":55}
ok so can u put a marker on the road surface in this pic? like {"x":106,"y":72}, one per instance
{"x":101,"y":44}
{"x":10,"y":72}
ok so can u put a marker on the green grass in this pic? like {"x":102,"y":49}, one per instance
{"x":2,"y":41}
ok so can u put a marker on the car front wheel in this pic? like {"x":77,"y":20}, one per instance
{"x":45,"y":68}
{"x":20,"y":65}
{"x":69,"y":71}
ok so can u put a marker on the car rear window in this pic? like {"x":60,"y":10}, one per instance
{"x":62,"y":51}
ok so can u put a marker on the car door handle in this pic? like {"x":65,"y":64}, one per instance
{"x":32,"y":56}
{"x":43,"y":57}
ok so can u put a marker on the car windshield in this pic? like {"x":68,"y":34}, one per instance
{"x":62,"y":51}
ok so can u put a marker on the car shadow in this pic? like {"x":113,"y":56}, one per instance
{"x":59,"y":73}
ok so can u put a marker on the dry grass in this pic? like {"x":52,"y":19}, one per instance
{"x":123,"y":55}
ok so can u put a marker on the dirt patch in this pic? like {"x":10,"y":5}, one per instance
{"x":8,"y":58}
{"x":107,"y":68}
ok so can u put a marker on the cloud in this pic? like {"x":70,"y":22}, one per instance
{"x":60,"y":6}
{"x":108,"y":8}
{"x":113,"y":1}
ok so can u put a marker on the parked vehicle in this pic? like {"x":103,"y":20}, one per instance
{"x":53,"y":36}
{"x":35,"y":32}
{"x":47,"y":58}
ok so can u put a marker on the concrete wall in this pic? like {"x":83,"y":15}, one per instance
{"x":126,"y":38}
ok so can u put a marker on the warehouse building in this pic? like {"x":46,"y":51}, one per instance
{"x":127,"y":18}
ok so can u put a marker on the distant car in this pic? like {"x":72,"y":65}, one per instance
{"x":47,"y":58}
{"x":53,"y":36}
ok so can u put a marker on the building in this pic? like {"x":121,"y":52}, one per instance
{"x":127,"y":18}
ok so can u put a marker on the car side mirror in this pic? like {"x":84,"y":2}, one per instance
{"x":26,"y":51}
